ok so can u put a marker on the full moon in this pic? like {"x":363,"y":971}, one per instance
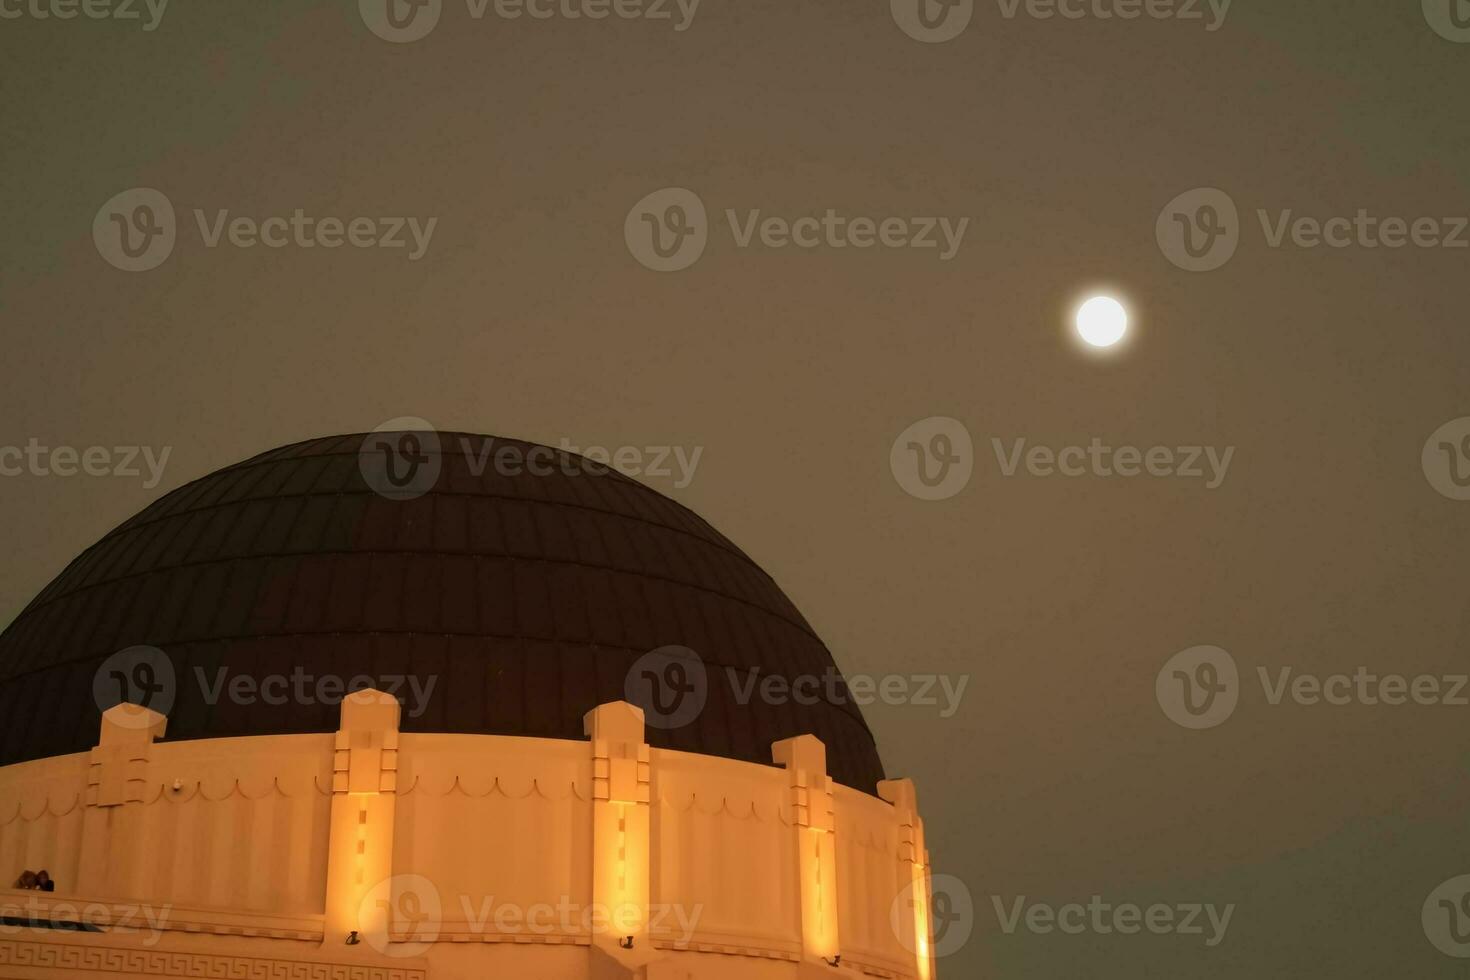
{"x":1102,"y":321}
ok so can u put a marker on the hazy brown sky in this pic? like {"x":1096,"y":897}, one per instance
{"x":1324,"y":549}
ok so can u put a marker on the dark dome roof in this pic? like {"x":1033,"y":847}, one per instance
{"x":528,"y":598}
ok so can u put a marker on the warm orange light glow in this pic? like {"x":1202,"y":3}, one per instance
{"x":923,"y":948}
{"x":819,"y":918}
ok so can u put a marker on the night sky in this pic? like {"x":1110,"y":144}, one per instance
{"x":1331,"y":543}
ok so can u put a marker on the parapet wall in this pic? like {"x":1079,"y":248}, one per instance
{"x":422,"y":852}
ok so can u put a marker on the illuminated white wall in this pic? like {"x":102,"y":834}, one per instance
{"x":274,"y":848}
